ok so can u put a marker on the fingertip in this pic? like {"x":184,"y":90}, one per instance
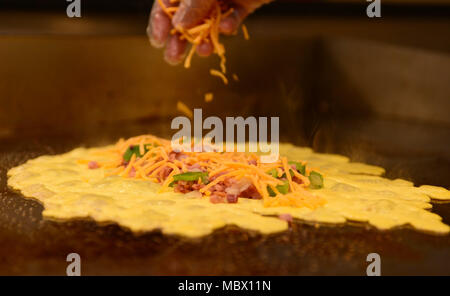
{"x":171,"y":61}
{"x":155,"y":43}
{"x":191,"y":13}
{"x":228,"y":25}
{"x":159,"y":29}
{"x":205,"y":49}
{"x":175,"y":50}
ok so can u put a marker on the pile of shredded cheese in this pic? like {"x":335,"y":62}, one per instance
{"x":156,"y":155}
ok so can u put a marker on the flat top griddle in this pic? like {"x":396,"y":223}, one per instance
{"x":81,"y":83}
{"x":30,"y":245}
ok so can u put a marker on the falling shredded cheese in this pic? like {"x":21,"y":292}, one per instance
{"x":165,"y":9}
{"x":219,"y":74}
{"x":187,"y":61}
{"x":184,"y":109}
{"x":209,"y":97}
{"x":207,"y":31}
{"x":245,"y":31}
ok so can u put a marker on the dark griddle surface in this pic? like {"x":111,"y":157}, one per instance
{"x":30,"y":245}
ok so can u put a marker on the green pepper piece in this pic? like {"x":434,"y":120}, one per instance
{"x":135,"y":150}
{"x":129,"y":153}
{"x":273,"y":173}
{"x":270,"y":191}
{"x":283,"y":188}
{"x":316,"y":180}
{"x":300,"y":167}
{"x":192,"y":176}
{"x":291,"y":172}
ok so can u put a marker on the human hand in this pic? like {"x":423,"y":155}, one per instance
{"x":189,"y":14}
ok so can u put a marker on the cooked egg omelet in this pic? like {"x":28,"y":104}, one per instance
{"x":352,"y":192}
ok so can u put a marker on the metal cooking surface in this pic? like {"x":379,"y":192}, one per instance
{"x":66,"y":83}
{"x":30,"y":245}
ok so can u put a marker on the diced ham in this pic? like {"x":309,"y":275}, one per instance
{"x":195,"y":168}
{"x":237,"y":186}
{"x":297,"y":180}
{"x":93,"y":165}
{"x":251,"y":192}
{"x":176,"y":156}
{"x":182,"y":188}
{"x":218,"y":187}
{"x":181,"y":156}
{"x":286,"y":217}
{"x":172,"y":156}
{"x":162,"y":174}
{"x":217,"y":197}
{"x":196,"y":186}
{"x":232,"y":198}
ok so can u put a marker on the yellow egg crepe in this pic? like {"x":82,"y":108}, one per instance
{"x":71,"y":186}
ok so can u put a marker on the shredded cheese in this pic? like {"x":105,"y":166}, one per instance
{"x":187,"y":61}
{"x":245,"y":32}
{"x":209,"y":97}
{"x":160,"y":164}
{"x":214,"y":72}
{"x":207,"y":31}
{"x":184,"y":109}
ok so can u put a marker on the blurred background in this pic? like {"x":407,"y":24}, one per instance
{"x":376,"y":90}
